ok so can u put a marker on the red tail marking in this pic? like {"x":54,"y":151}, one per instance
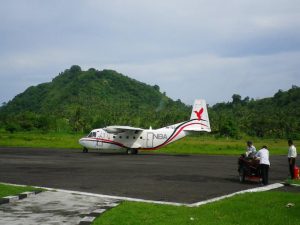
{"x":199,"y":114}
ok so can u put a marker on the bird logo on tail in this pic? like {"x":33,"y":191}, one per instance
{"x":199,"y":113}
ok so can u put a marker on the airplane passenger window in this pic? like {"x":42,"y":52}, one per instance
{"x":120,"y":137}
{"x":133,"y":137}
{"x":114,"y":136}
{"x":141,"y":137}
{"x":127,"y":137}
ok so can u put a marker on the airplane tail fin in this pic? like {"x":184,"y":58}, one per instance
{"x":199,"y":117}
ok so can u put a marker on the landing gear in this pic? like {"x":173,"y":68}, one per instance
{"x":132,"y":151}
{"x":85,"y":150}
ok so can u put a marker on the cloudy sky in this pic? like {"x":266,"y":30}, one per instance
{"x":190,"y":48}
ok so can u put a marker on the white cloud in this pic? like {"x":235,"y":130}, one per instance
{"x":217,"y":78}
{"x":189,"y":48}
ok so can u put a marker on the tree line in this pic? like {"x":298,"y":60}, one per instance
{"x":78,"y":101}
{"x":274,"y":117}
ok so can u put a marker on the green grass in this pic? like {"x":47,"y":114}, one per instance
{"x":251,"y":208}
{"x":222,"y":146}
{"x":295,"y":182}
{"x":40,"y":140}
{"x":204,"y":144}
{"x":290,"y":181}
{"x":6,"y":190}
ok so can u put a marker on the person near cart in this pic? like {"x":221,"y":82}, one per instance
{"x":264,"y":164}
{"x":251,"y":150}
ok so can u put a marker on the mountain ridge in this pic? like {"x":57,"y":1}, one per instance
{"x":85,"y":99}
{"x":77,"y":100}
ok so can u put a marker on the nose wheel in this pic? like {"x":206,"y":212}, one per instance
{"x":85,"y":150}
{"x":132,"y":151}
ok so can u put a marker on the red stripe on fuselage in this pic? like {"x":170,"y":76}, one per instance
{"x":170,"y":139}
{"x":153,"y":148}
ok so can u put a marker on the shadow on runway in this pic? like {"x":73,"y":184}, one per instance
{"x":101,"y":153}
{"x":237,"y":181}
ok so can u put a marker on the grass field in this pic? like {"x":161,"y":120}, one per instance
{"x":6,"y":190}
{"x":251,"y":208}
{"x":204,"y":144}
{"x":290,"y":181}
{"x":39,"y":140}
{"x":222,"y":146}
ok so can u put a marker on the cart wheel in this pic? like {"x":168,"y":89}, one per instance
{"x":242,"y":176}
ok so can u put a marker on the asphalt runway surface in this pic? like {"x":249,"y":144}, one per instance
{"x":173,"y":178}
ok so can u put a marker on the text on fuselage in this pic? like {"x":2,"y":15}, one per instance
{"x":160,"y":136}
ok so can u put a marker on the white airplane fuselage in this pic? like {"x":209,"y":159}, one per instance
{"x":147,"y":139}
{"x":132,"y":138}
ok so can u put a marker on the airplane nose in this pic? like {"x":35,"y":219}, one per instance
{"x":81,"y":141}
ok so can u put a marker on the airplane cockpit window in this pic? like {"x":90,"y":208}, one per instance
{"x":92,"y":134}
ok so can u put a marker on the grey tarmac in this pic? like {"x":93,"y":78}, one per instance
{"x":158,"y":177}
{"x":53,"y":207}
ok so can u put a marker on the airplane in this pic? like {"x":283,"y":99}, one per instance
{"x":133,"y":139}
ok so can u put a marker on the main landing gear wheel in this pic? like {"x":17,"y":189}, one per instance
{"x":131,"y":151}
{"x":85,"y":150}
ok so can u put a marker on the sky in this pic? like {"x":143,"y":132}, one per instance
{"x":191,"y":48}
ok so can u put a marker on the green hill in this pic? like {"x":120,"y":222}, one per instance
{"x":276,"y":117}
{"x":79,"y":100}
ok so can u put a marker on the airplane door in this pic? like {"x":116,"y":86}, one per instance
{"x":150,"y":137}
{"x":99,"y":143}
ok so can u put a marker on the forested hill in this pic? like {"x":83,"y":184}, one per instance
{"x":276,"y":117}
{"x":79,"y":100}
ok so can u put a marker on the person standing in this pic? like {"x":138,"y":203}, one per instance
{"x":251,"y":150}
{"x":292,"y":154}
{"x":264,"y":164}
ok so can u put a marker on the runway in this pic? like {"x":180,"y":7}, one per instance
{"x":172,"y":178}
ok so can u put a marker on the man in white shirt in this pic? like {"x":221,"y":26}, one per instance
{"x":264,"y":164}
{"x":251,"y":150}
{"x":292,"y":154}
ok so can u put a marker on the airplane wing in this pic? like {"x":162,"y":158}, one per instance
{"x":121,"y":129}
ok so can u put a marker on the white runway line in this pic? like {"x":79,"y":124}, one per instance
{"x":114,"y":197}
{"x":258,"y":189}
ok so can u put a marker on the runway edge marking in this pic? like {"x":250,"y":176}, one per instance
{"x":104,"y":196}
{"x":258,"y":189}
{"x":196,"y":204}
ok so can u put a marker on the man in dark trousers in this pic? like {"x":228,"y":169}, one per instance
{"x":292,"y":154}
{"x":264,"y":164}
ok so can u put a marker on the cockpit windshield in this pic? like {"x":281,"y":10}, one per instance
{"x":92,"y":134}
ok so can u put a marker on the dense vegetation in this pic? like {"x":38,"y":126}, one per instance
{"x":276,"y":117}
{"x":77,"y":101}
